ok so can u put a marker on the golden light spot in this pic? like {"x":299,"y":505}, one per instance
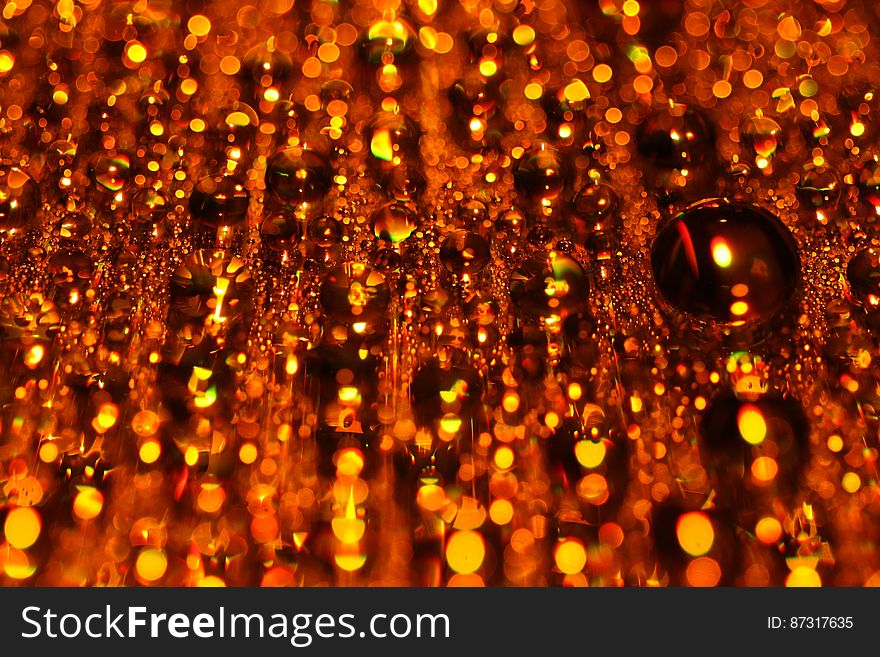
{"x":22,"y":527}
{"x":721,"y":252}
{"x":695,"y":533}
{"x":488,"y":68}
{"x":751,"y":424}
{"x":107,"y":416}
{"x":721,"y":89}
{"x":739,"y":308}
{"x":247,"y":453}
{"x":851,"y":482}
{"x":630,"y":8}
{"x":189,"y":87}
{"x":510,"y":401}
{"x":429,"y":7}
{"x":753,"y":79}
{"x":48,"y":452}
{"x":501,"y":512}
{"x":89,"y":503}
{"x":191,"y":455}
{"x":768,"y":530}
{"x":602,"y":73}
{"x":533,"y":91}
{"x":150,"y":451}
{"x":523,"y":35}
{"x":803,"y":576}
{"x":465,"y":551}
{"x":613,"y":115}
{"x":7,"y":61}
{"x":135,"y":51}
{"x":576,"y":91}
{"x":151,"y":564}
{"x":328,"y":52}
{"x":570,"y":556}
{"x":350,"y":462}
{"x":199,"y":25}
{"x":504,"y":457}
{"x":835,"y":443}
{"x":431,"y":497}
{"x":589,"y":454}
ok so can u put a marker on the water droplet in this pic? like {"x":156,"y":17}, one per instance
{"x":541,"y":176}
{"x":19,"y":199}
{"x":211,"y":282}
{"x":393,"y":223}
{"x":540,"y":236}
{"x":355,"y":293}
{"x":150,"y":205}
{"x":863,"y":276}
{"x":261,"y":61}
{"x":869,"y":184}
{"x":295,"y":175}
{"x":335,"y":90}
{"x":473,"y":97}
{"x":463,"y":252}
{"x":219,"y":201}
{"x":473,"y":214}
{"x":387,"y":260}
{"x":280,"y":232}
{"x":551,"y":286}
{"x":325,"y":232}
{"x":727,"y":262}
{"x":676,"y":138}
{"x":510,"y":223}
{"x":595,"y":207}
{"x":818,"y":188}
{"x":762,"y":134}
{"x":74,"y":227}
{"x":111,"y":172}
{"x":393,"y":138}
{"x":404,"y":183}
{"x":566,"y":118}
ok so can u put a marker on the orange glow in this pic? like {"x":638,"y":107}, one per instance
{"x":751,"y":423}
{"x":570,"y":556}
{"x":695,"y":533}
{"x":465,"y":551}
